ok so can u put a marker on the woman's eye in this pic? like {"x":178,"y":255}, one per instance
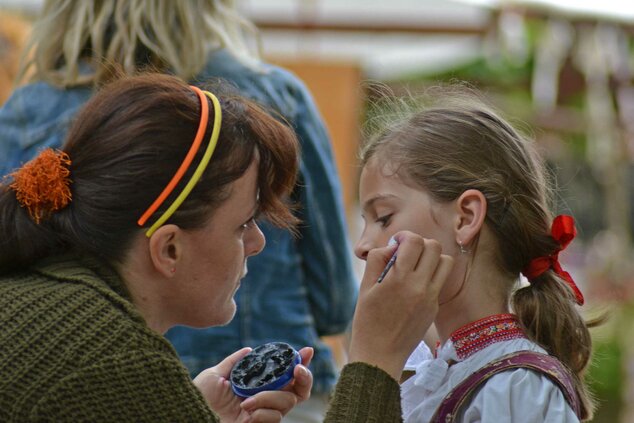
{"x":248,"y":224}
{"x":384,"y":220}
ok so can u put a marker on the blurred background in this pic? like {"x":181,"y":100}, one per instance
{"x":561,"y":68}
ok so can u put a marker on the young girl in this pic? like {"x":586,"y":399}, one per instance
{"x":461,"y":175}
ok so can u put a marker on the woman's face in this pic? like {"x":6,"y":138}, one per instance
{"x":388,"y":205}
{"x":216,"y":255}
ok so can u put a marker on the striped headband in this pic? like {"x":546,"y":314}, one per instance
{"x":186,"y":163}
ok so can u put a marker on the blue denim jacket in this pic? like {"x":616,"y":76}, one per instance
{"x":297,"y":289}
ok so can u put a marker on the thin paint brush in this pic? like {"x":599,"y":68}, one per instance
{"x":390,"y":263}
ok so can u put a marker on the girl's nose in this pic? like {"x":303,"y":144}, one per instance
{"x":361,"y":248}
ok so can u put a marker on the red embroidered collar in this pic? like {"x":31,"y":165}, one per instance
{"x":478,"y":335}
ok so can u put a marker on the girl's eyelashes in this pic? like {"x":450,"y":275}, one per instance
{"x":384,"y":220}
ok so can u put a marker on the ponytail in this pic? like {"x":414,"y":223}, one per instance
{"x":39,"y":189}
{"x":547,"y":309}
{"x":23,"y":241}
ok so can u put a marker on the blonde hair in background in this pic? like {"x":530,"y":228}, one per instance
{"x":174,"y":35}
{"x":14,"y":31}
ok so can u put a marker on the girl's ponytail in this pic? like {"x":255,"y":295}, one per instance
{"x":547,"y":310}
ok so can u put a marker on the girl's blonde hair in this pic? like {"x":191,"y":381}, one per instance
{"x":463,"y":144}
{"x":131,"y":35}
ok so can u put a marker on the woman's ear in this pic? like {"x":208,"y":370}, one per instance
{"x":166,"y":249}
{"x":471,"y":211}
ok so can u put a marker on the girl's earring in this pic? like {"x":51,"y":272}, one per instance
{"x":173,"y":270}
{"x":463,"y":250}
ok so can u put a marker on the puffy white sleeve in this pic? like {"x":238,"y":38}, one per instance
{"x":519,"y":395}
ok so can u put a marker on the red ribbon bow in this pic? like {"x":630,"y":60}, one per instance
{"x":563,"y":231}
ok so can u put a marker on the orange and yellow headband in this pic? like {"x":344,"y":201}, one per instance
{"x":186,"y":163}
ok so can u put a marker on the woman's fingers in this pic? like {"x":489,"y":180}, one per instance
{"x":281,"y":401}
{"x":268,"y":404}
{"x":302,"y":382}
{"x":429,"y":257}
{"x":376,"y":261}
{"x":264,"y":415}
{"x":306,"y":354}
{"x":410,"y":249}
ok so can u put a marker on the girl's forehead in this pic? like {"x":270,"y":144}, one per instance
{"x":382,"y":167}
{"x":380,"y":177}
{"x":385,"y":172}
{"x":379,"y":180}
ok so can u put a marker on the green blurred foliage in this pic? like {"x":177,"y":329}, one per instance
{"x":605,"y":377}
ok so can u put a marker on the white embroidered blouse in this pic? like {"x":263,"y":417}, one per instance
{"x":519,"y":395}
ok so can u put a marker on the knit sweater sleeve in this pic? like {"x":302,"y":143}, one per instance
{"x":136,"y":387}
{"x":365,"y":393}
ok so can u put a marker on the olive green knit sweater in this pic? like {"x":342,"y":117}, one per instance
{"x":73,"y":348}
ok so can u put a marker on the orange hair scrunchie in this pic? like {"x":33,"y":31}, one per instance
{"x":42,"y":186}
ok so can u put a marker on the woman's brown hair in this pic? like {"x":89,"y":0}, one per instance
{"x":125,"y":146}
{"x":463,"y":145}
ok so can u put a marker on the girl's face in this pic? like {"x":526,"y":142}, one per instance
{"x":388,"y":205}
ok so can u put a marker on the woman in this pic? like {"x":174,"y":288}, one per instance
{"x":134,"y":228}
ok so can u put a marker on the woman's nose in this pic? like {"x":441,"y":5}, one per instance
{"x":256,"y":241}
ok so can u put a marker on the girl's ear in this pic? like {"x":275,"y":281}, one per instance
{"x":471,"y":211}
{"x":166,"y":249}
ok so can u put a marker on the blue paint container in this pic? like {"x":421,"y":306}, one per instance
{"x":268,"y":367}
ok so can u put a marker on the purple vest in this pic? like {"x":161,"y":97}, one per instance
{"x":542,"y":363}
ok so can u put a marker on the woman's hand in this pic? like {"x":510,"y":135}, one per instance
{"x":392,"y":317}
{"x":264,"y":407}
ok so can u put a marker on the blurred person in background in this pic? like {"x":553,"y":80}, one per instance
{"x":13,"y":33}
{"x":299,"y":288}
